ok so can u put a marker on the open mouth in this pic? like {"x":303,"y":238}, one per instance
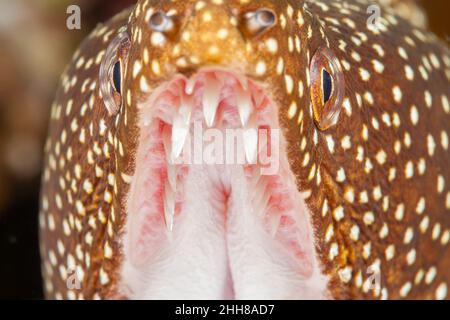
{"x":204,"y":224}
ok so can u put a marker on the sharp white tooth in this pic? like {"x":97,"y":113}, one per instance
{"x":172,"y":176}
{"x":190,"y":85}
{"x":167,"y":144}
{"x":211,"y":99}
{"x":244,"y":104}
{"x":251,"y":144}
{"x":185,"y":111}
{"x":180,"y":127}
{"x":179,"y":134}
{"x":169,"y":207}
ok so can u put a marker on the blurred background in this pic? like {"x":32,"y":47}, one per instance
{"x":35,"y":47}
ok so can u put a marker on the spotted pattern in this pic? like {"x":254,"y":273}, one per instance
{"x":377,"y":183}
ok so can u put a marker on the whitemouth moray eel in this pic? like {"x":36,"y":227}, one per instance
{"x":359,"y":203}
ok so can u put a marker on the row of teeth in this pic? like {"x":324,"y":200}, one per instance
{"x":181,"y":117}
{"x":174,"y":138}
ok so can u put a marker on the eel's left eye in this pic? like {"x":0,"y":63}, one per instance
{"x":327,"y":88}
{"x":161,"y":22}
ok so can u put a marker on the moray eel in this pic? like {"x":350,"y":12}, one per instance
{"x":356,"y":112}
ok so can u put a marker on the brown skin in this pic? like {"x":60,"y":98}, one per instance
{"x":100,"y":210}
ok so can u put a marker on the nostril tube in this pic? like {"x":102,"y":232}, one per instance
{"x":265,"y":17}
{"x":160,"y":22}
{"x":258,"y":21}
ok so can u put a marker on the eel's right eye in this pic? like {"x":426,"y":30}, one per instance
{"x":117,"y":77}
{"x":111,"y":72}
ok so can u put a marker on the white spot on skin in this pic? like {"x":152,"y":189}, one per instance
{"x":345,"y":274}
{"x":445,"y":104}
{"x":356,"y":56}
{"x":445,"y":237}
{"x":338,"y":213}
{"x":397,"y":92}
{"x":104,"y":279}
{"x":144,"y":86}
{"x":354,"y":233}
{"x":436,"y":231}
{"x":409,"y":170}
{"x":381,"y":157}
{"x":347,"y":106}
{"x":390,"y":252}
{"x":378,"y":66}
{"x":368,"y":218}
{"x":400,"y":212}
{"x":367,"y":248}
{"x":369,"y":98}
{"x":428,"y":99}
{"x":414,"y":114}
{"x":346,"y":143}
{"x":156,"y":68}
{"x":272,"y":45}
{"x":431,"y":145}
{"x":137,"y":67}
{"x":340,"y":177}
{"x":289,"y":84}
{"x":402,"y":53}
{"x":405,"y":289}
{"x":334,"y":251}
{"x":107,"y":250}
{"x":409,"y":73}
{"x":420,"y":208}
{"x":444,"y":140}
{"x":440,"y":184}
{"x":411,"y":257}
{"x":409,"y":234}
{"x":330,"y":143}
{"x":431,"y":274}
{"x":441,"y":291}
{"x":260,"y":68}
{"x":157,"y":39}
{"x":423,"y":226}
{"x":365,"y":75}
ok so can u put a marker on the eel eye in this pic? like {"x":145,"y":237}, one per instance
{"x":111,"y":72}
{"x":256,"y":22}
{"x":327,"y":88}
{"x":117,"y":77}
{"x":161,"y":22}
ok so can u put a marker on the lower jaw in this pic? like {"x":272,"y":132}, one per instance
{"x":215,"y":229}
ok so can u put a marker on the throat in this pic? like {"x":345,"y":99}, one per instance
{"x":213,"y":210}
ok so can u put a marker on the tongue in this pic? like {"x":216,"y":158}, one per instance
{"x":215,"y":229}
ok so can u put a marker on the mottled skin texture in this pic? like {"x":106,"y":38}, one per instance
{"x":377,"y":182}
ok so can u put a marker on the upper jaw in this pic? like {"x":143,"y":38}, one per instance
{"x":213,"y":95}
